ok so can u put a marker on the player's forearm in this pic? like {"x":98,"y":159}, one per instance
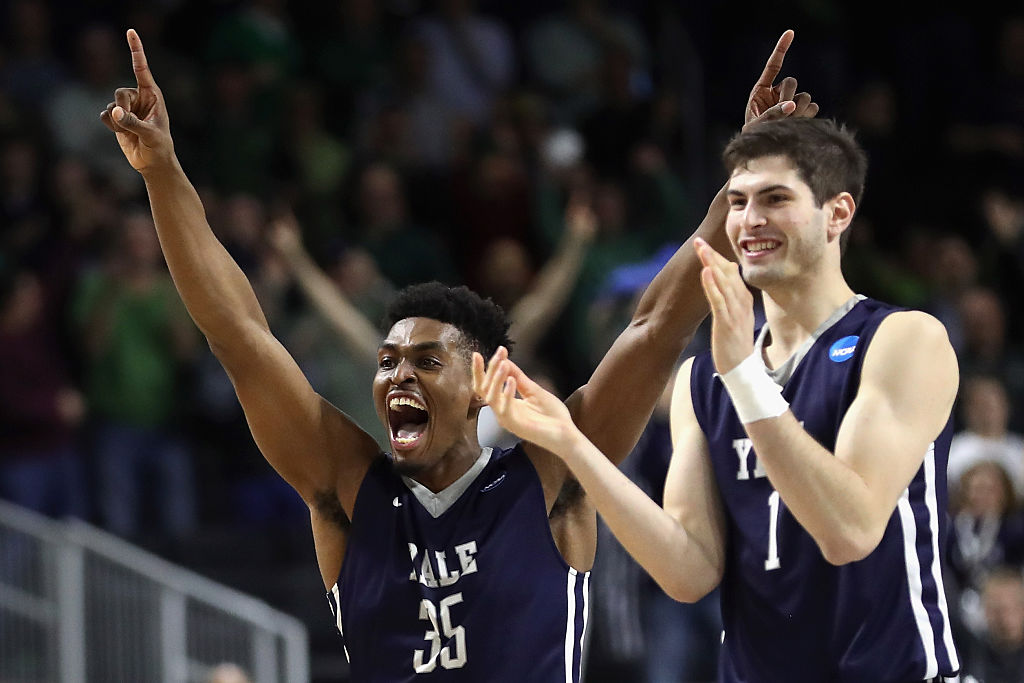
{"x":827,"y":497}
{"x":673,"y":305}
{"x":673,"y":557}
{"x":665,"y":319}
{"x":214,"y":289}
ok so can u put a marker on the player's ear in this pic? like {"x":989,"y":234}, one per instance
{"x":840,"y":214}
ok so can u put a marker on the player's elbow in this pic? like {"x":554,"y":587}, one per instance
{"x":688,"y":589}
{"x":852,"y":546}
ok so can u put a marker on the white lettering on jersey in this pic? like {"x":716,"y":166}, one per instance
{"x":437,"y":573}
{"x":743,"y":448}
{"x":465,"y":553}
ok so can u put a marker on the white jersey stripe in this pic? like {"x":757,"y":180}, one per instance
{"x":933,"y":524}
{"x":586,"y":614}
{"x":336,"y":593}
{"x":570,"y":624}
{"x":913,"y":567}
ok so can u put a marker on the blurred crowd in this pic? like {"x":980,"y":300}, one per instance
{"x":551,"y":155}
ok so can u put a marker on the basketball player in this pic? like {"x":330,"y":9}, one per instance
{"x":808,"y":473}
{"x":442,"y":559}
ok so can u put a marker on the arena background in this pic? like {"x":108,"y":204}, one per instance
{"x":417,"y":140}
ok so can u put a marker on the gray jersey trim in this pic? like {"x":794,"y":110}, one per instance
{"x":437,"y":503}
{"x":784,"y":372}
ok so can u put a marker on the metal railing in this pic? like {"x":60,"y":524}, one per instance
{"x":78,"y":605}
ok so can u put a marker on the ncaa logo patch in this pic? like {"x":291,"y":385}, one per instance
{"x":842,"y":350}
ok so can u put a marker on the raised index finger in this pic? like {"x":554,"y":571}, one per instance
{"x":143,"y":76}
{"x":774,"y":64}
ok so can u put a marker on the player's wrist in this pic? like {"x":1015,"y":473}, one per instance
{"x":754,"y":394}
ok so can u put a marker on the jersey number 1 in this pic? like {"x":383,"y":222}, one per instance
{"x":772,"y":562}
{"x":449,"y":660}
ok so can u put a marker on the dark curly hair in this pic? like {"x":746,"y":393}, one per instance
{"x":483,"y":323}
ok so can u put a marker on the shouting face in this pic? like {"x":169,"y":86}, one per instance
{"x":424,"y":398}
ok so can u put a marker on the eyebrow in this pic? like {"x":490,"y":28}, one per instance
{"x":764,"y":190}
{"x":415,"y":348}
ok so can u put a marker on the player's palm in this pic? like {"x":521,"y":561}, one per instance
{"x":142,"y":149}
{"x":538,"y":416}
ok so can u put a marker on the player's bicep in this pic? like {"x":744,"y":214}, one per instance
{"x":691,"y":492}
{"x":908,"y":384}
{"x":311,"y":444}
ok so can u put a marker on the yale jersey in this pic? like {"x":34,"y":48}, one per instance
{"x":478,"y":593}
{"x":788,"y":614}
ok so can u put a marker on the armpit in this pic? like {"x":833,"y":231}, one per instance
{"x":568,"y":498}
{"x":328,"y":508}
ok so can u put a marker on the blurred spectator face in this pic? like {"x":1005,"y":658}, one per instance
{"x":610,"y":206}
{"x":499,"y":175}
{"x":233,"y":86}
{"x":986,"y":406}
{"x":71,"y":176}
{"x":1004,"y":215}
{"x":985,"y":490}
{"x":96,"y":55}
{"x":23,"y":304}
{"x":380,"y":197}
{"x":359,"y":13}
{"x":19,"y":163}
{"x":140,"y":246}
{"x":455,"y":9}
{"x":31,"y":22}
{"x":875,"y":109}
{"x":505,"y":271}
{"x":955,"y":266}
{"x":1011,"y":47}
{"x":355,"y":271}
{"x":983,"y":320}
{"x":1004,"y":610}
{"x":617,"y":71}
{"x":414,"y":63}
{"x":304,"y":109}
{"x":244,"y":219}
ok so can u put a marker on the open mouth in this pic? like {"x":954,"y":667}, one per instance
{"x":408,"y":419}
{"x":755,"y":248}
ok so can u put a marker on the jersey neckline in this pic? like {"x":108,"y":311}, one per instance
{"x":436,"y":504}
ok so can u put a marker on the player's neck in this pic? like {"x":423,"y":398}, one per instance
{"x":453,"y":464}
{"x":794,"y":313}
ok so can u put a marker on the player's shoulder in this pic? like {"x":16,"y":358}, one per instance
{"x":911,"y":343}
{"x":912,"y":331}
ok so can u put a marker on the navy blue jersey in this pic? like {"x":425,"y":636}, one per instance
{"x":479,"y":593}
{"x":788,"y":614}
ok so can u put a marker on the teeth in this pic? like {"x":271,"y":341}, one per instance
{"x":761,"y":246}
{"x":406,"y":401}
{"x":406,"y":439}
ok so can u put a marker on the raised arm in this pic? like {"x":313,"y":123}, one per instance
{"x":908,"y":384}
{"x":348,"y":322}
{"x":682,"y":546}
{"x":312,"y":445}
{"x":615,"y":405}
{"x":533,"y":314}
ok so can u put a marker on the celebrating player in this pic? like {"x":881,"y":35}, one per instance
{"x":442,"y":558}
{"x":808,"y":473}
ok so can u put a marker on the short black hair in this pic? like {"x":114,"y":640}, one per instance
{"x":482,"y":322}
{"x":825,"y":154}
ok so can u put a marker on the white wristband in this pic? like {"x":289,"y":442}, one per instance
{"x":754,"y":394}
